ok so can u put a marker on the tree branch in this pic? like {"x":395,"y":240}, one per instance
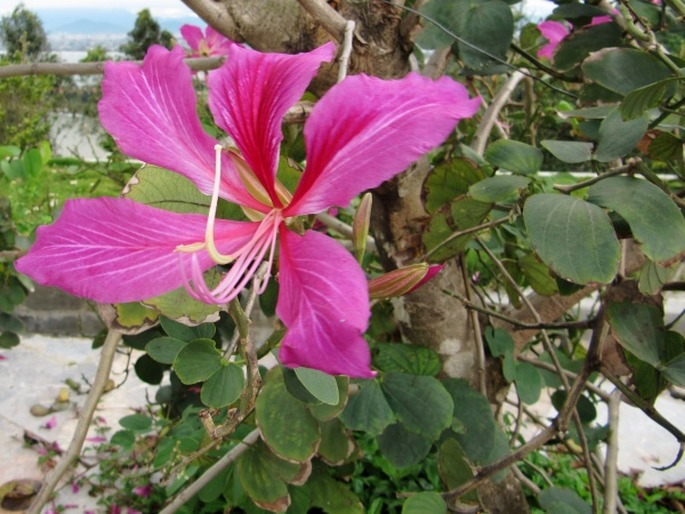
{"x":329,"y":18}
{"x":74,"y":450}
{"x":212,"y":13}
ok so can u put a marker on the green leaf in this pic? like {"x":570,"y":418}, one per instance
{"x":123,"y":438}
{"x":654,"y":219}
{"x":286,"y":425}
{"x":368,"y":410}
{"x":424,"y":503}
{"x":538,"y":275}
{"x":644,"y":98}
{"x":166,"y":190}
{"x":148,"y":370}
{"x":403,"y":447}
{"x":487,"y":27}
{"x":573,"y":237}
{"x":454,"y":468}
{"x":580,"y":43}
{"x":666,"y":147}
{"x":586,"y":409}
{"x":179,"y":305}
{"x":407,"y":358}
{"x":472,"y":410}
{"x":223,"y":387}
{"x":257,"y":477}
{"x":498,"y":189}
{"x":197,"y":361}
{"x":624,"y":69}
{"x":529,"y":383}
{"x":499,"y":341}
{"x":330,"y":495}
{"x":638,"y":327}
{"x":653,"y":277}
{"x":674,"y":370}
{"x":336,"y":444}
{"x":448,"y":181}
{"x":321,"y":385}
{"x":10,"y":323}
{"x":134,"y":315}
{"x":324,"y":411}
{"x":136,"y":423}
{"x":561,"y":500}
{"x":421,"y":403}
{"x":572,"y":152}
{"x":514,"y":156}
{"x":164,"y":349}
{"x":617,"y":138}
{"x":9,"y":340}
{"x":185,"y":332}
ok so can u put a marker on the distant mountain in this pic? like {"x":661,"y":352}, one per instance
{"x":92,"y":20}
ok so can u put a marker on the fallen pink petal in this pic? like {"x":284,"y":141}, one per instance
{"x":51,"y":423}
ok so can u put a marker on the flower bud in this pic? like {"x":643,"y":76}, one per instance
{"x":402,"y":281}
{"x":360,"y":226}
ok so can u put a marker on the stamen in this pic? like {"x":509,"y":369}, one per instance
{"x":211,"y":217}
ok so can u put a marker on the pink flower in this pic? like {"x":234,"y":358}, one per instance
{"x":75,"y":487}
{"x":143,"y":491}
{"x":3,"y":358}
{"x":362,"y":132}
{"x":96,"y":439}
{"x":51,"y":423}
{"x":554,"y":32}
{"x":209,"y":44}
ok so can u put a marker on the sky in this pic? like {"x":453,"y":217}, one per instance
{"x":176,"y":8}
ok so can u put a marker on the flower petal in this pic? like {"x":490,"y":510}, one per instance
{"x":250,"y":94}
{"x":114,"y":250}
{"x":217,"y":43}
{"x":366,"y":130}
{"x":554,"y":32}
{"x":151,"y":112}
{"x":193,"y":35}
{"x":324,"y":303}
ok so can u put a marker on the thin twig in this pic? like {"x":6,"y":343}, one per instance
{"x":225,"y":461}
{"x":344,"y":62}
{"x":477,"y":228}
{"x":628,"y":168}
{"x":478,"y":335}
{"x":86,"y":417}
{"x":611,"y":459}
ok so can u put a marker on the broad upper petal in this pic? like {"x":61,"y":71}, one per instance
{"x":323,"y":301}
{"x":250,"y":94}
{"x":151,"y":112}
{"x":114,"y":250}
{"x":366,"y":130}
{"x":193,"y":35}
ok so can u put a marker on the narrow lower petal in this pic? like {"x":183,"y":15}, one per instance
{"x":250,"y":94}
{"x":193,"y":35}
{"x":366,"y":130}
{"x":323,"y":301}
{"x":114,"y":250}
{"x":151,"y":111}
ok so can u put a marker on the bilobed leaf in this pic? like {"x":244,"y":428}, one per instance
{"x":336,"y":444}
{"x":368,"y":410}
{"x":624,"y":69}
{"x":489,"y":27}
{"x":259,"y":481}
{"x":638,"y":327}
{"x":617,"y":137}
{"x":498,"y":189}
{"x":454,"y":467}
{"x":197,"y":361}
{"x":473,"y":412}
{"x":572,"y":152}
{"x":529,"y":383}
{"x":654,"y":219}
{"x":674,"y":370}
{"x":402,"y":447}
{"x":580,"y":43}
{"x":538,"y":275}
{"x":420,"y":403}
{"x":424,"y":503}
{"x":407,"y":358}
{"x":554,"y":499}
{"x":448,"y":181}
{"x":321,"y":385}
{"x":573,"y":237}
{"x":286,"y":425}
{"x":514,"y":156}
{"x":223,"y":387}
{"x":644,"y":98}
{"x":332,"y":496}
{"x":164,"y":349}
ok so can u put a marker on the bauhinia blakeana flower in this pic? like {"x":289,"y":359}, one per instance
{"x":362,"y":132}
{"x":208,"y":44}
{"x":555,"y":32}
